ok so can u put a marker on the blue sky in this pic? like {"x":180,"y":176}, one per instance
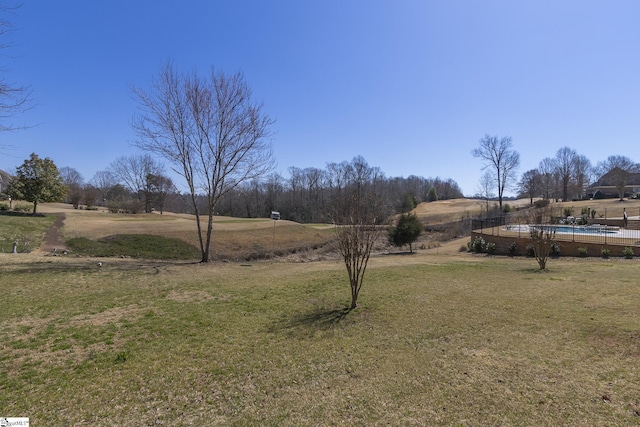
{"x":410,"y":85}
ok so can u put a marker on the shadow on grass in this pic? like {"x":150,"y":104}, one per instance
{"x":320,"y":319}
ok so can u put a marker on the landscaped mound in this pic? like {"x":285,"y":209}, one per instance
{"x":134,"y":245}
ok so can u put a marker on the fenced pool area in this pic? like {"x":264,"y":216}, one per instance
{"x":508,"y":231}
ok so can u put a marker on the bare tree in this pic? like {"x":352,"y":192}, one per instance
{"x":74,"y":182}
{"x":359,"y":211}
{"x":582,"y":171}
{"x":499,"y":156}
{"x":548,"y":178}
{"x":104,"y":181}
{"x":134,"y":172}
{"x":157,"y":188}
{"x":13,"y":98}
{"x":485,"y":188}
{"x":90,"y":194}
{"x":529,"y":184}
{"x":542,"y":235}
{"x":564,"y":163}
{"x":210,"y":131}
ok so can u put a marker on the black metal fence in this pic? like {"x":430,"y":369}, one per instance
{"x":588,"y":230}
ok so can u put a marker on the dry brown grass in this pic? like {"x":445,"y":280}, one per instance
{"x":438,"y":340}
{"x":232,"y":239}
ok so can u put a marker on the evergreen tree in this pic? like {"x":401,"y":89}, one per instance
{"x":432,"y":196}
{"x":406,"y":231}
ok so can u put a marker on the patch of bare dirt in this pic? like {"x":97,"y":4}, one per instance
{"x":52,"y":239}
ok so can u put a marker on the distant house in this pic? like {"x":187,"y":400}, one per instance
{"x":4,"y":180}
{"x":610,"y":184}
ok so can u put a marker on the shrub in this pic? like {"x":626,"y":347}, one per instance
{"x":478,"y":244}
{"x":4,"y":207}
{"x":555,"y":249}
{"x":605,"y":252}
{"x":628,"y":252}
{"x":23,"y":207}
{"x":530,"y":250}
{"x":542,"y":203}
{"x":491,"y":247}
{"x":582,"y":252}
{"x":513,"y":248}
{"x":568,"y":211}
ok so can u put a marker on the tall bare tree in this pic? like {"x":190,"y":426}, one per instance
{"x":582,"y":171}
{"x":210,"y":131}
{"x":501,"y":159}
{"x":104,"y":181}
{"x":74,"y":182}
{"x":530,"y":184}
{"x":564,"y":163}
{"x":548,"y":178}
{"x":14,"y":98}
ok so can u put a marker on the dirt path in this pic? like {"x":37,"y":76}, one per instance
{"x":52,"y":239}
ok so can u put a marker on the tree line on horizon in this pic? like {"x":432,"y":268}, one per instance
{"x":139,"y":183}
{"x":563,"y":177}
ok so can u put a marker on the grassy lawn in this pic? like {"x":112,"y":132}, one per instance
{"x":436,"y":341}
{"x":135,"y":245}
{"x":26,"y":229}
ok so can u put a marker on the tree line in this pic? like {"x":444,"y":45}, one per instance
{"x":563,"y":177}
{"x":140,"y":183}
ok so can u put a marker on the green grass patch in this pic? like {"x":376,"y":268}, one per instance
{"x":134,"y":245}
{"x":24,"y":228}
{"x":464,"y":342}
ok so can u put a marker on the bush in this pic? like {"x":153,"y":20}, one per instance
{"x":568,"y":211}
{"x":582,"y":252}
{"x":555,"y":249}
{"x":491,"y":247}
{"x":628,"y":252}
{"x":478,"y":244}
{"x":23,"y":207}
{"x":530,"y":251}
{"x":513,"y":248}
{"x":4,"y":207}
{"x":605,"y":252}
{"x":542,"y":203}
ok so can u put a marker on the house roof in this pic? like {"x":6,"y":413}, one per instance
{"x":610,"y":179}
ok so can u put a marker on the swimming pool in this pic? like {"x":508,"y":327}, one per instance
{"x":589,"y":229}
{"x":568,"y":229}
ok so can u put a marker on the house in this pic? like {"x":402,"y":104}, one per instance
{"x":4,"y":181}
{"x":610,"y":184}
